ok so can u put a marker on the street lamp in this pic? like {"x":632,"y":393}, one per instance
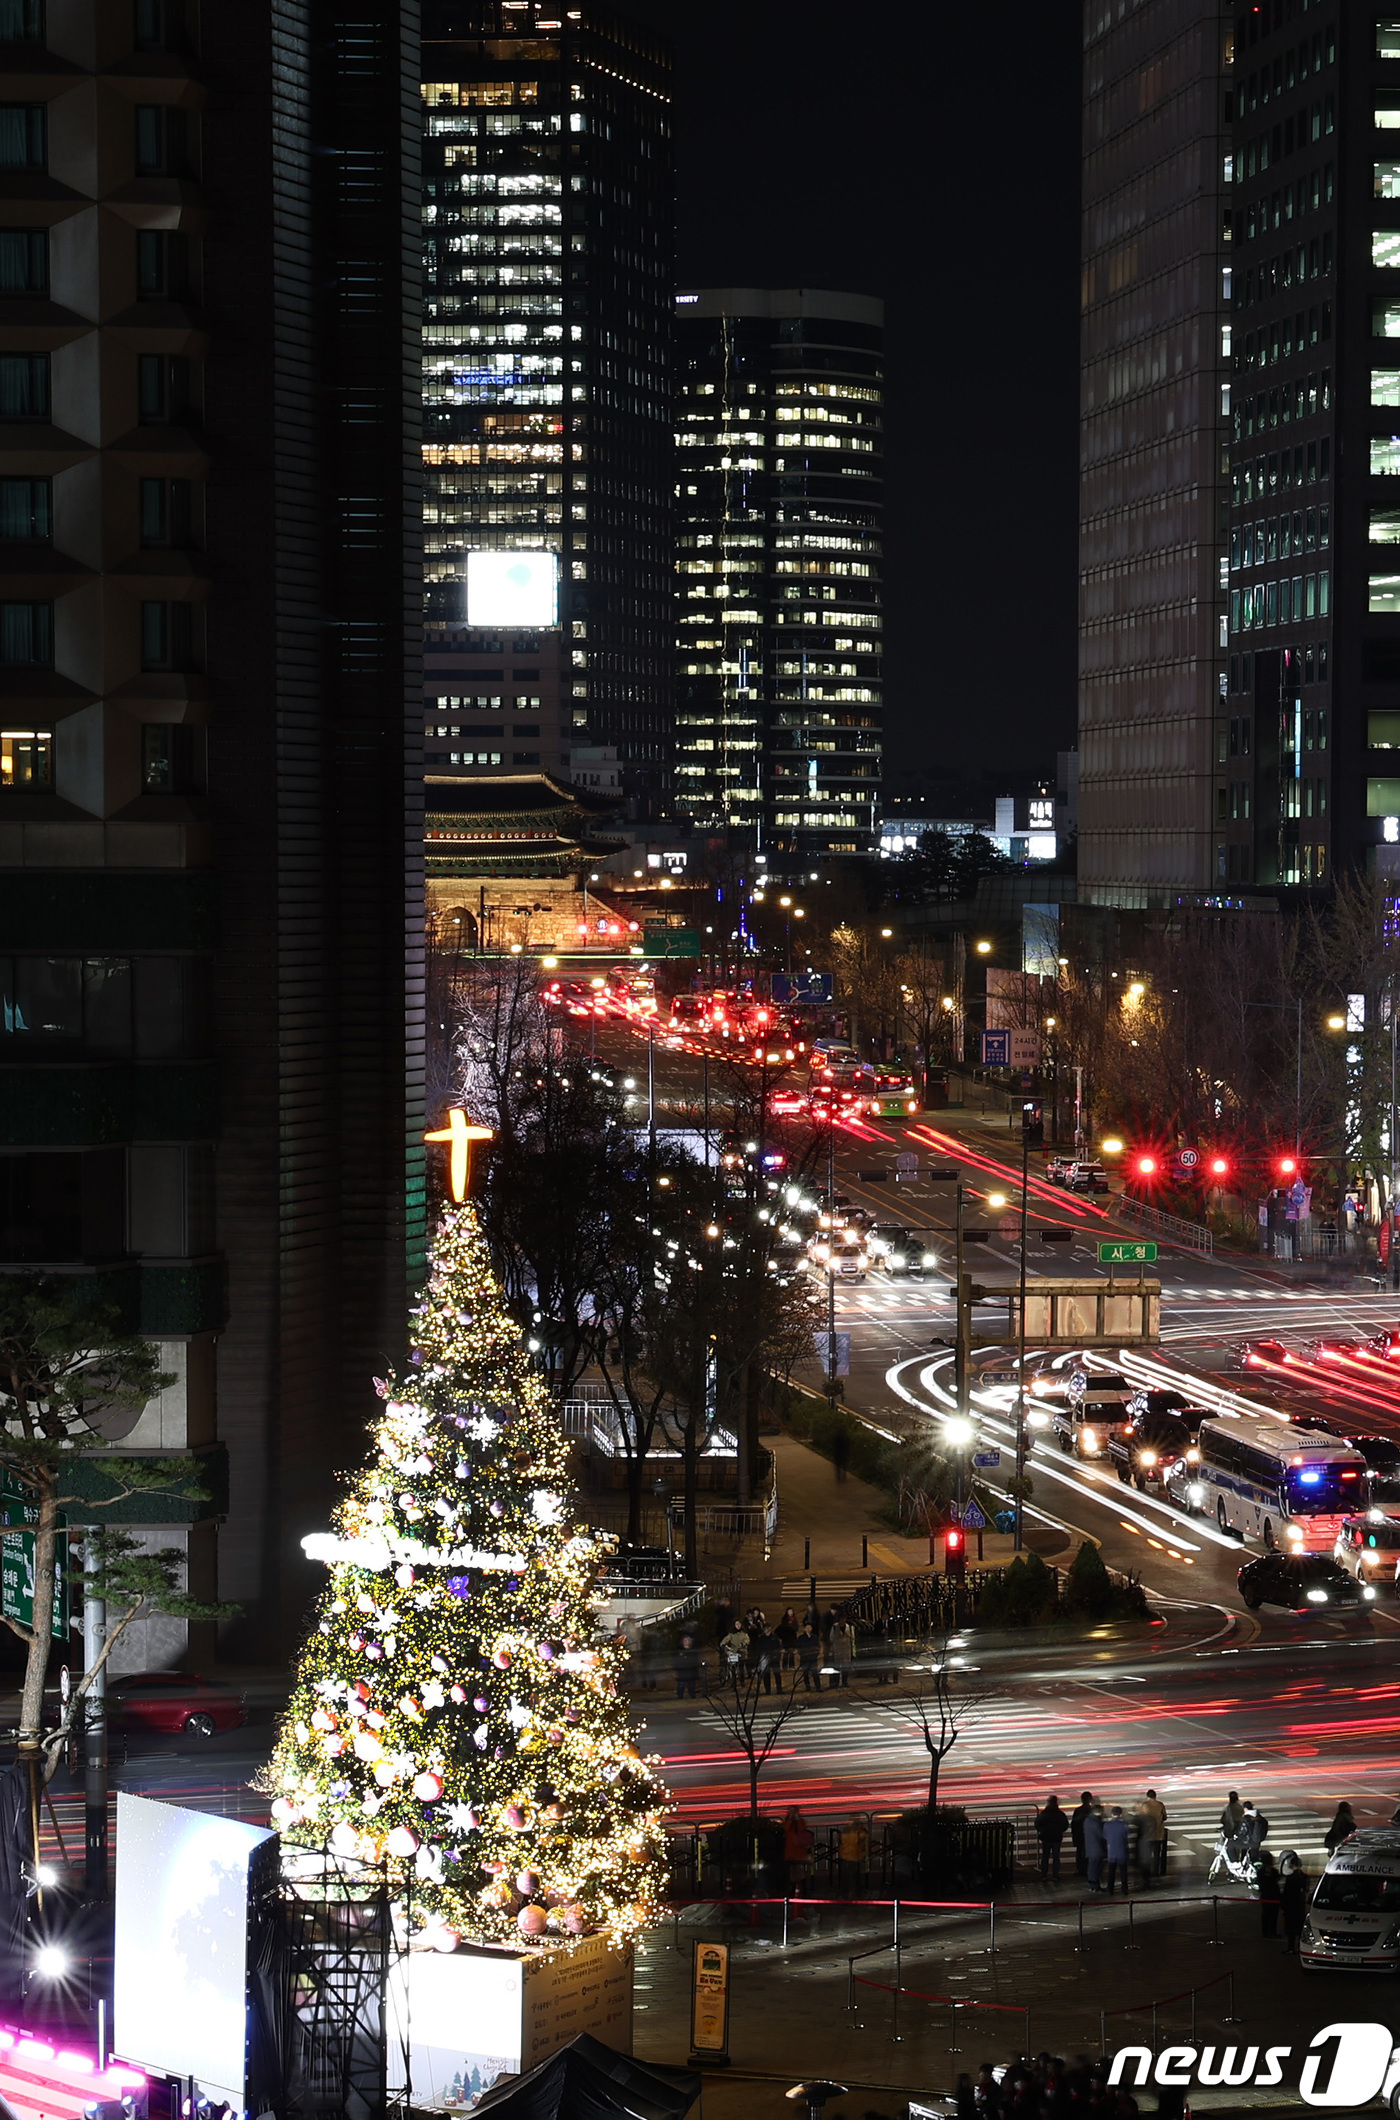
{"x":984,"y":949}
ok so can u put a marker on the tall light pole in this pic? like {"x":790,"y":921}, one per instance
{"x":1021,"y":1335}
{"x":831,"y":1262}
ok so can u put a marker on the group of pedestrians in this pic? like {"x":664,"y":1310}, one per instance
{"x":1044,"y":2087}
{"x":790,"y":1651}
{"x":1108,"y":1843}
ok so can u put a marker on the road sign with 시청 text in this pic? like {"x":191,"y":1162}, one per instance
{"x":1129,"y":1254}
{"x":988,"y":1460}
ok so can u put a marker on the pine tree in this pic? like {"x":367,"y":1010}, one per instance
{"x":454,"y":1711}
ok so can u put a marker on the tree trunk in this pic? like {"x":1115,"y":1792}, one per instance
{"x":753,"y":1786}
{"x":635,"y":1468}
{"x":31,"y":1711}
{"x":935,"y":1761}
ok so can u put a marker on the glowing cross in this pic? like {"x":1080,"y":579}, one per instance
{"x":459,"y":1137}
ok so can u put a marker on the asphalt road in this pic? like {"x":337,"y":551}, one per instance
{"x":1296,"y":1712}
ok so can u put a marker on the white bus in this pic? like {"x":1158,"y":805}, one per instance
{"x":1286,"y":1486}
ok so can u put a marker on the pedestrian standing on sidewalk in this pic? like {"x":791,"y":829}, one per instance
{"x":1270,"y":1894}
{"x":1115,"y":1835}
{"x":1152,"y":1836}
{"x":1232,"y":1817}
{"x":1076,"y":1831}
{"x":786,"y":1631}
{"x":735,"y":1651}
{"x":1294,"y":1897}
{"x":1051,"y":1826}
{"x":842,"y":1651}
{"x":687,"y":1667}
{"x":809,"y":1658}
{"x":1095,"y":1846}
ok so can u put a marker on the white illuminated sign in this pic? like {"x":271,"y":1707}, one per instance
{"x":512,"y":589}
{"x":180,"y":2001}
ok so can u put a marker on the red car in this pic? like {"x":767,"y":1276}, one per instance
{"x":173,"y":1701}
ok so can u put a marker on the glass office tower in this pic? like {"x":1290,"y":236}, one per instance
{"x":779,"y":465}
{"x":1154,"y":403}
{"x":548,"y":260}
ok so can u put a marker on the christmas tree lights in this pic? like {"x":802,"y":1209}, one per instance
{"x":455,"y":1712}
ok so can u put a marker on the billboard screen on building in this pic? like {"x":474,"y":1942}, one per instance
{"x":512,"y":589}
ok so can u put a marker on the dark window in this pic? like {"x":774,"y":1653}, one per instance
{"x":160,"y":25}
{"x":26,"y":509}
{"x":526,"y":758}
{"x":164,"y":388}
{"x":167,"y":634}
{"x":165,"y":511}
{"x":24,"y":261}
{"x":168,"y":757}
{"x":162,"y":141}
{"x":41,"y":1207}
{"x":22,"y":135}
{"x":26,"y":633}
{"x":162,"y":265}
{"x":21,"y":21}
{"x":24,"y":386}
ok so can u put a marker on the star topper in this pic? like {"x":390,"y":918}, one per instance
{"x":459,"y":1135}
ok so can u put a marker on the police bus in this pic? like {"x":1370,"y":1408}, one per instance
{"x":1286,"y":1486}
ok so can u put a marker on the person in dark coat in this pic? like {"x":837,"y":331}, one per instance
{"x":1270,"y":1888}
{"x":1051,"y":1826}
{"x":1341,"y":1828}
{"x":1294,"y":1900}
{"x":687,"y":1668}
{"x":809,"y":1658}
{"x":1076,"y":1831}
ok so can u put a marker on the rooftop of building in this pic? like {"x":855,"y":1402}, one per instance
{"x":779,"y":302}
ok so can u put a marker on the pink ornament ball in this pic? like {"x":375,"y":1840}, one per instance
{"x":402,"y":1841}
{"x":575,"y":1919}
{"x":527,"y":1883}
{"x":532,"y":1921}
{"x":515,"y":1817}
{"x":546,"y":1650}
{"x":427,"y":1787}
{"x":501,"y":1659}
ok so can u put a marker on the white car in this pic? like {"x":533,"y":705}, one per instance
{"x":1353,"y":1923}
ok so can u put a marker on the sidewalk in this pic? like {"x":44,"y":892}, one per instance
{"x":789,"y":2014}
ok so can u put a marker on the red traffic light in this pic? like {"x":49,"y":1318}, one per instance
{"x":1287,"y":1166}
{"x":1146,"y":1166}
{"x":1219,"y":1167}
{"x":954,"y":1538}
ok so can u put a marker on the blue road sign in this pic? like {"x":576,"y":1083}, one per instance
{"x":996,"y":1048}
{"x":972,"y":1517}
{"x":987,"y":1459}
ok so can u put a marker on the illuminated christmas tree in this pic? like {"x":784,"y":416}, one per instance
{"x":455,"y":1711}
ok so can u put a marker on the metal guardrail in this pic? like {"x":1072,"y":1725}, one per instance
{"x":1158,"y":1223}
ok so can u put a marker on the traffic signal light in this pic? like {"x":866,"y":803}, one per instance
{"x":955,"y":1551}
{"x":1288,"y":1166}
{"x":1145,"y":1166}
{"x":1219,"y":1166}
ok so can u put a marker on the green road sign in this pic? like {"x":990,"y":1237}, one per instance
{"x":1127,"y":1254}
{"x":17,"y":1580}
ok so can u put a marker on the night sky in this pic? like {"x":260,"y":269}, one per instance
{"x":928,"y":154}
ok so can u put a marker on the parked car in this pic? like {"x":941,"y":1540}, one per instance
{"x":1369,"y":1546}
{"x":1301,"y":1582}
{"x":1145,"y":1451}
{"x":174,"y":1701}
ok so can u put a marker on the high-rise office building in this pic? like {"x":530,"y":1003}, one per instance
{"x":779,"y":494}
{"x":549,"y":259}
{"x":1155,"y":345}
{"x":211,"y":798}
